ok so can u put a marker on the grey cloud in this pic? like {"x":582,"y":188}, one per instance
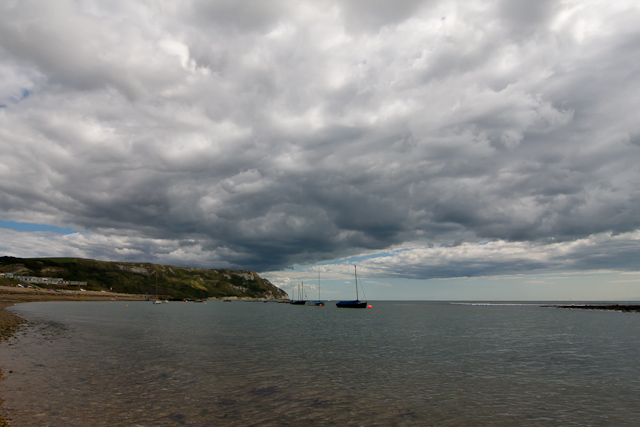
{"x":604,"y":252}
{"x":373,"y":14}
{"x":77,"y":49}
{"x":252,"y":15}
{"x":523,"y":18}
{"x":264,"y":136}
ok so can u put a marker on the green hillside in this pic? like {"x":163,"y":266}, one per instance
{"x":143,"y":278}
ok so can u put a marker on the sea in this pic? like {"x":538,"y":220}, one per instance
{"x":400,"y":363}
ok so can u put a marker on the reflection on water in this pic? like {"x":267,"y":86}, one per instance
{"x":109,"y":364}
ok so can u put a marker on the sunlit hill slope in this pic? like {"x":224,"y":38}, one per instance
{"x":145,"y":278}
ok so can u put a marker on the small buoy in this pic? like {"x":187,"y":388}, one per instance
{"x":369,"y":306}
{"x":127,"y":305}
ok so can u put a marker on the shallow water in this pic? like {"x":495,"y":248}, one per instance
{"x":399,"y":364}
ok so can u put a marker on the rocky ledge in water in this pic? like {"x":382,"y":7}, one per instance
{"x":615,"y":307}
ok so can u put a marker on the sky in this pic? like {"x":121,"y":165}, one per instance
{"x":450,"y":149}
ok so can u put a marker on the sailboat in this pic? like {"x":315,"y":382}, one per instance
{"x":353,"y":304}
{"x":318,"y":303}
{"x":300,"y":300}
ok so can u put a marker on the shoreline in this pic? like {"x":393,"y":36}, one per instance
{"x":10,"y":296}
{"x":10,"y":322}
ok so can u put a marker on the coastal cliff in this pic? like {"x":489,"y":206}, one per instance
{"x":144,"y":278}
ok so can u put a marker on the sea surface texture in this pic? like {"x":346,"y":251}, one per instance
{"x":257,"y":364}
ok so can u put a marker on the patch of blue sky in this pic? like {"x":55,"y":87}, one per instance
{"x":352,"y":260}
{"x":27,"y":226}
{"x":357,"y":259}
{"x":24,"y":94}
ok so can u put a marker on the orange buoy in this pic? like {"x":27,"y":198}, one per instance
{"x":369,"y":306}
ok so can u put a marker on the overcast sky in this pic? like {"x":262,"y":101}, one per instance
{"x":419,"y":139}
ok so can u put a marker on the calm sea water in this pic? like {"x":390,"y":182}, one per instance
{"x":256,"y":364}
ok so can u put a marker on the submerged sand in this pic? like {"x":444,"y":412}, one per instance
{"x":10,"y":295}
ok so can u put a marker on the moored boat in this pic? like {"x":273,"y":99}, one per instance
{"x":300,"y":300}
{"x":355,"y":303}
{"x":351,"y":304}
{"x":319,"y":302}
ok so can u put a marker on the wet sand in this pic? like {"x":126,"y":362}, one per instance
{"x":10,"y":322}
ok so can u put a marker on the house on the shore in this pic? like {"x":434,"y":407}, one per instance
{"x":47,"y":281}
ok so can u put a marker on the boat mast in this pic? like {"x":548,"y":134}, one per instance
{"x":355,"y":269}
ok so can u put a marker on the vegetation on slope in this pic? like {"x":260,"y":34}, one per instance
{"x":144,"y":278}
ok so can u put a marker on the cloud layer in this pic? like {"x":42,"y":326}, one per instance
{"x":261,"y":135}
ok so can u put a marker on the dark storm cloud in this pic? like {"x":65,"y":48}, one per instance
{"x":260,"y":135}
